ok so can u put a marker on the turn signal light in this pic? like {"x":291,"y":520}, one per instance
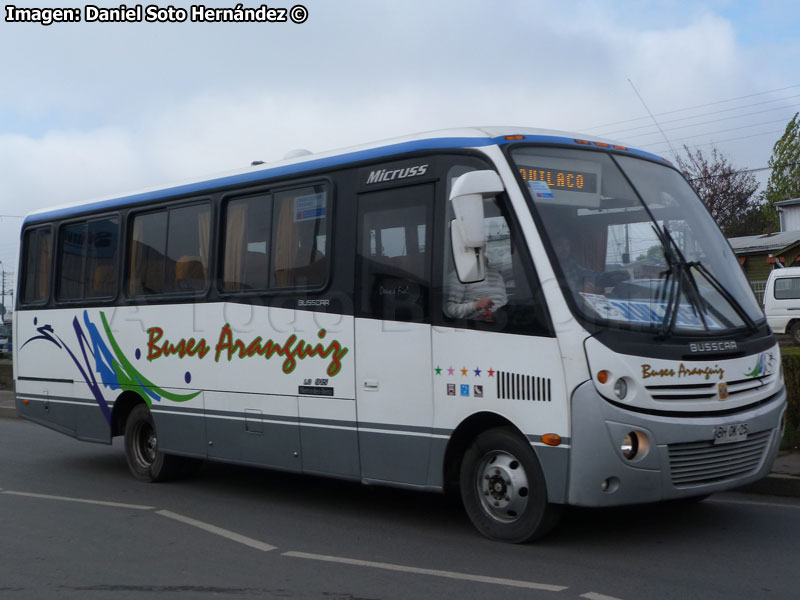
{"x":514,"y":137}
{"x":603,"y":376}
{"x":26,"y":401}
{"x":551,"y":439}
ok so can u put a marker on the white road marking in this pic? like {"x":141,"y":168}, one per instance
{"x":436,"y":573}
{"x":596,"y":596}
{"x":755,"y":503}
{"x":264,"y":547}
{"x":241,"y":539}
{"x":80,"y":500}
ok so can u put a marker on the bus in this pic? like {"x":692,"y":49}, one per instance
{"x":528,"y":318}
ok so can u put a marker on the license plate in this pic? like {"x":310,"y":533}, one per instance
{"x":725,"y":434}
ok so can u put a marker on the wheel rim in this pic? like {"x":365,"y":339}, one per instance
{"x":502,"y":486}
{"x":145,"y":445}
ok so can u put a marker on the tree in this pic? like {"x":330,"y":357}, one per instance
{"x":784,"y":180}
{"x":728,"y":193}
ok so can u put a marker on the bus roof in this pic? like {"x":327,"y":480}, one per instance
{"x":473,"y":137}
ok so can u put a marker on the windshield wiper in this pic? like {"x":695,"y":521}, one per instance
{"x":677,"y":262}
{"x":675,"y":275}
{"x":730,"y":298}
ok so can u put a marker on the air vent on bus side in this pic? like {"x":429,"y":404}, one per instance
{"x":515,"y":386}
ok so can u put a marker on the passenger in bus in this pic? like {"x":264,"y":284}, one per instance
{"x":475,"y":301}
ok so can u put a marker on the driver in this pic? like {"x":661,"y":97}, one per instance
{"x":475,"y":301}
{"x":580,"y":278}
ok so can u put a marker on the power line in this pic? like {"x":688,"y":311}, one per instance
{"x":713,"y":133}
{"x":795,"y":164}
{"x":716,"y":112}
{"x":698,"y":106}
{"x":757,"y":112}
{"x":744,"y":137}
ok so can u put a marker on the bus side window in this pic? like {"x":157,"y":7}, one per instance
{"x":245,"y":257}
{"x":101,"y":258}
{"x":510,"y":299}
{"x":393,"y":262}
{"x":87,"y":259}
{"x":188,"y":238}
{"x":276,"y":241}
{"x":147,"y":253}
{"x":300,"y":225}
{"x":38,"y":253}
{"x":169,"y":250}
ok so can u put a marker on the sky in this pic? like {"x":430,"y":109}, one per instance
{"x":93,"y":109}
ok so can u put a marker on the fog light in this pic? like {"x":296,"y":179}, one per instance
{"x":621,"y":388}
{"x":630,"y":446}
{"x":610,"y":485}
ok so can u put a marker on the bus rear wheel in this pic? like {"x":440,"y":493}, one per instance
{"x":145,"y":461}
{"x":503,"y":488}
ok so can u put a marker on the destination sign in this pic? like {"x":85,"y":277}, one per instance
{"x":562,"y":179}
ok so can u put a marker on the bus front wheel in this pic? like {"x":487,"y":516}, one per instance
{"x":145,"y":461}
{"x":503,"y":488}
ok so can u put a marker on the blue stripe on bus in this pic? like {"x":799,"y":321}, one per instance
{"x":320,"y":163}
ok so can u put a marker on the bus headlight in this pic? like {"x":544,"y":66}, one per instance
{"x":630,"y":445}
{"x":621,"y":388}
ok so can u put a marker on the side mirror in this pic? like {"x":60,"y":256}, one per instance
{"x":466,"y":230}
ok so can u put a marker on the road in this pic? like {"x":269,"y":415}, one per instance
{"x":73,"y":523}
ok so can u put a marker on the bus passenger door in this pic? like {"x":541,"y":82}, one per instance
{"x":393,"y":333}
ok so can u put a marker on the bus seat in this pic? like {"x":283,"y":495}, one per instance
{"x":256,"y":270}
{"x":104,"y":281}
{"x":190,"y":273}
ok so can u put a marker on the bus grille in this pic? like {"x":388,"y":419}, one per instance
{"x":707,"y":391}
{"x":697,"y":463}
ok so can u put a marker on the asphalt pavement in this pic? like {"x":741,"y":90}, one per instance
{"x":784,"y":480}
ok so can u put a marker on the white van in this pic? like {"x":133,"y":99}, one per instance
{"x":782,"y":301}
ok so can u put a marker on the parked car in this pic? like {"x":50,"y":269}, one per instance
{"x":782,"y":301}
{"x":5,"y":341}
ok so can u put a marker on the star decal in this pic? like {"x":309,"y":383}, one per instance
{"x":477,"y":372}
{"x":438,"y":370}
{"x":491,"y":372}
{"x":450,"y":371}
{"x":464,"y":371}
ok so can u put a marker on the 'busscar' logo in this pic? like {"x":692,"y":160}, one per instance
{"x":383,"y":175}
{"x":712,"y":346}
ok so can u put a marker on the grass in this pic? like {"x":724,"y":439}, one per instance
{"x":790,"y":357}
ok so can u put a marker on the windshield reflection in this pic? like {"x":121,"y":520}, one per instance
{"x":634,"y":245}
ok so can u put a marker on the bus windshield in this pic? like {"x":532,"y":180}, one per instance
{"x":634,"y":246}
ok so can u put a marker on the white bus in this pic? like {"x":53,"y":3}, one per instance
{"x":532,"y":318}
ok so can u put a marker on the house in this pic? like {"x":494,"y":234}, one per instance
{"x":760,"y":254}
{"x":789,"y":213}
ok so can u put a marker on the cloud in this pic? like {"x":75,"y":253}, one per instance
{"x":100,"y":109}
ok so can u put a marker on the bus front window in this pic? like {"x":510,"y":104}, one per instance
{"x":634,"y":246}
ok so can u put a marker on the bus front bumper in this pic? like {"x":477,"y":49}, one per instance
{"x":676,"y":457}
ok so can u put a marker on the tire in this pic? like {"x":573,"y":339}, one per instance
{"x":503,"y":488}
{"x":794,"y":331}
{"x":145,"y":461}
